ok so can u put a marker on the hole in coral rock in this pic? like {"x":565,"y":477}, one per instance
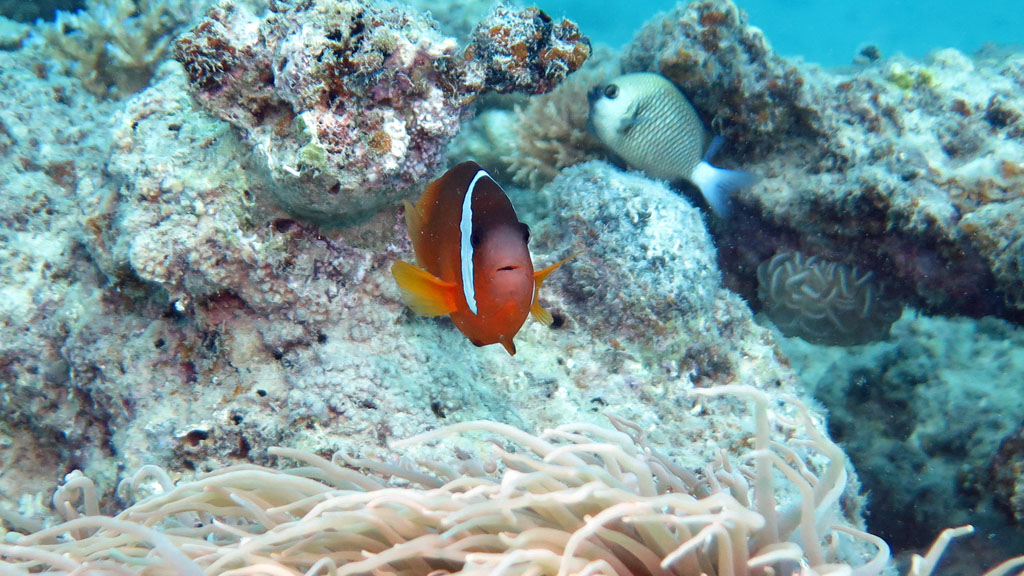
{"x":283,"y":225}
{"x":194,"y":437}
{"x":558,"y":320}
{"x":243,"y":448}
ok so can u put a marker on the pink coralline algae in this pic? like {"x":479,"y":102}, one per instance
{"x":352,"y":103}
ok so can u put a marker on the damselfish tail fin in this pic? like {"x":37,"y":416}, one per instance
{"x":717,"y":184}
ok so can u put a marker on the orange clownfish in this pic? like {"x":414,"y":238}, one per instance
{"x":474,"y":264}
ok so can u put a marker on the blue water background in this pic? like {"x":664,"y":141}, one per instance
{"x":829,"y":32}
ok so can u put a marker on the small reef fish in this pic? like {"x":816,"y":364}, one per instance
{"x":473,"y":260}
{"x":648,"y":122}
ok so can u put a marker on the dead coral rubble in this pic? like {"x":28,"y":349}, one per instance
{"x":351,"y":103}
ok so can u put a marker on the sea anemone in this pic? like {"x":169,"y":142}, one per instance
{"x":578,"y":499}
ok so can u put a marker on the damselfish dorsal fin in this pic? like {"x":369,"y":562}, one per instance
{"x":425,"y":293}
{"x":536,"y":310}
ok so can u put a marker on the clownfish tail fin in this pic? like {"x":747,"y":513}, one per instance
{"x":425,"y":293}
{"x":536,"y":310}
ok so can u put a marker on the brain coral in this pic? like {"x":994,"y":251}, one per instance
{"x":824,"y":302}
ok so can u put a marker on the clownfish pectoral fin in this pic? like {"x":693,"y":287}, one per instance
{"x":539,"y":313}
{"x":425,"y":293}
{"x":536,"y":310}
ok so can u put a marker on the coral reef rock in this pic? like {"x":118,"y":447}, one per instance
{"x":728,"y":72}
{"x":1007,"y":476}
{"x":352,"y":103}
{"x":180,"y":320}
{"x":618,"y":217}
{"x":824,"y":302}
{"x":938,"y":407}
{"x":646,"y":279}
{"x":912,"y":169}
{"x":522,"y":51}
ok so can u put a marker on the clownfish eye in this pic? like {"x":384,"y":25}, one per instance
{"x":611,"y":91}
{"x":526,"y":232}
{"x":474,"y":240}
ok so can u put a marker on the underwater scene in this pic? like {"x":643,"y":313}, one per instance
{"x":342,"y":287}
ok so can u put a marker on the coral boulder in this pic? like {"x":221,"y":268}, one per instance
{"x":351,"y":103}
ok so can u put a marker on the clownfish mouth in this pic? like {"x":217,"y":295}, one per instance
{"x":508,"y":268}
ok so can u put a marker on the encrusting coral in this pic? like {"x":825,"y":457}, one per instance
{"x":352,"y":103}
{"x":115,"y":45}
{"x":824,"y":302}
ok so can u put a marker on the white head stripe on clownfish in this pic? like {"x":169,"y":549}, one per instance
{"x":466,"y":242}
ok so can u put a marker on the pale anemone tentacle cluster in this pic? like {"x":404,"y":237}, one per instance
{"x":824,"y":302}
{"x":579,"y":499}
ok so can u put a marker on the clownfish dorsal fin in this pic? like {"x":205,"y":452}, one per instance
{"x":413,"y":219}
{"x":425,"y":293}
{"x":536,"y":310}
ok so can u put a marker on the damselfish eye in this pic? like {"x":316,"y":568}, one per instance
{"x":611,"y":91}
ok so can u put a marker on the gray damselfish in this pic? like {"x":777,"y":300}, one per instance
{"x":648,"y":122}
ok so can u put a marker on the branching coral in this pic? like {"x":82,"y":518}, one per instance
{"x":824,"y":302}
{"x":115,"y":45}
